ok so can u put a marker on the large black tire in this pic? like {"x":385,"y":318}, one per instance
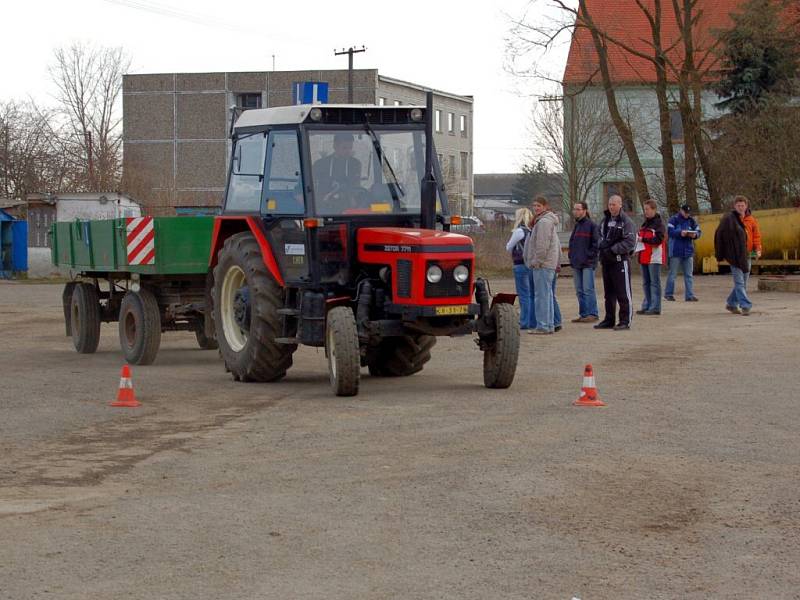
{"x":85,"y":318}
{"x":139,"y":327}
{"x":341,"y":348}
{"x":205,"y":342}
{"x":500,"y":356}
{"x":400,"y":356}
{"x":66,"y":303}
{"x":250,"y":355}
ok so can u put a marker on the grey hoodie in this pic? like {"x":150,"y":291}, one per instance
{"x":543,"y":248}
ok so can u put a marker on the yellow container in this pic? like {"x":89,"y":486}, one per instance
{"x":780,"y":231}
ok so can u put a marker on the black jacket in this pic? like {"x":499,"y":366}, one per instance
{"x":617,"y":237}
{"x":584,"y":243}
{"x":730,"y":241}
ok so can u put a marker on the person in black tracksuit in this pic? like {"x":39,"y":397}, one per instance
{"x":617,"y":242}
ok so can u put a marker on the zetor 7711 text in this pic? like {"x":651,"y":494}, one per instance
{"x":334,"y":233}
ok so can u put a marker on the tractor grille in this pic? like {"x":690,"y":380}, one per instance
{"x":447,"y":287}
{"x":404,"y":278}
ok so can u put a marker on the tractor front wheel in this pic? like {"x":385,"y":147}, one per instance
{"x":246,"y":301}
{"x":205,"y":342}
{"x":501,"y":352}
{"x":400,"y":356}
{"x":341,"y":347}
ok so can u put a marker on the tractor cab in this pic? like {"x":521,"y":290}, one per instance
{"x":334,"y":232}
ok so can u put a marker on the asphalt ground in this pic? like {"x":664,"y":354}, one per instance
{"x":684,"y":486}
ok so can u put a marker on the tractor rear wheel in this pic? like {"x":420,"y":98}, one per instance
{"x":246,"y":320}
{"x":341,"y":347}
{"x":85,"y":318}
{"x":139,"y":327}
{"x":501,"y":352}
{"x":400,"y":356}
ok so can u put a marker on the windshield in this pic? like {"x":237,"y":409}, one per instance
{"x":367,"y":171}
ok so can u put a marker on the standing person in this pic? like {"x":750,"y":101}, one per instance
{"x":731,"y":244}
{"x":752,"y":230}
{"x":583,"y":249}
{"x":651,"y":256}
{"x":523,"y":278}
{"x":543,"y":255}
{"x":617,"y":241}
{"x":682,"y":230}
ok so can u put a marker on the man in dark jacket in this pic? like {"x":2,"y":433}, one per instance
{"x":730,"y":244}
{"x":683,"y":230}
{"x":617,"y":242}
{"x":584,"y":243}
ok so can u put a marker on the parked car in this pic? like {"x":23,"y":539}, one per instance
{"x":469,"y":225}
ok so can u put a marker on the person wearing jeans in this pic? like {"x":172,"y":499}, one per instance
{"x":730,"y":244}
{"x":650,"y":247}
{"x":682,"y":230}
{"x":523,"y":278}
{"x":543,"y":255}
{"x":583,"y":249}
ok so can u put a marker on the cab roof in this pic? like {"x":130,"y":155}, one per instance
{"x":296,"y":114}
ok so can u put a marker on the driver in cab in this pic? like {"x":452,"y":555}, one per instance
{"x":339,"y":171}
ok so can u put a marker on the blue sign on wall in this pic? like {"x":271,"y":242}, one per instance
{"x":310,"y":92}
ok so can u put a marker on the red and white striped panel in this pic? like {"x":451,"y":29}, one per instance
{"x":141,"y":241}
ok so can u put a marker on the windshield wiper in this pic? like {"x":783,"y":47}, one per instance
{"x":395,"y":187}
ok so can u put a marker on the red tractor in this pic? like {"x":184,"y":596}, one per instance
{"x":335,"y":234}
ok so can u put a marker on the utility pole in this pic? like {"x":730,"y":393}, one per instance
{"x":350,"y":51}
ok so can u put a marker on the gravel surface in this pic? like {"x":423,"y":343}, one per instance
{"x":684,"y":486}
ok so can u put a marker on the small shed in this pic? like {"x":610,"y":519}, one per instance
{"x":13,"y":245}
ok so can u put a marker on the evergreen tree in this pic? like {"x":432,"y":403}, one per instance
{"x":760,"y":57}
{"x":529,"y":183}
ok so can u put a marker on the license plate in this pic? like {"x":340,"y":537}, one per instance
{"x":459,"y":309}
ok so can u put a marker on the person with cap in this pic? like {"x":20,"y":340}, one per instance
{"x":339,"y":170}
{"x":682,"y":231}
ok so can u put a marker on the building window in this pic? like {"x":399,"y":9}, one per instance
{"x":451,"y":123}
{"x":381,"y":101}
{"x":397,"y":103}
{"x":439,"y":158}
{"x":451,"y":167}
{"x":248,"y":100}
{"x":463,"y":125}
{"x":676,"y":126}
{"x":438,"y":123}
{"x":464,"y":165}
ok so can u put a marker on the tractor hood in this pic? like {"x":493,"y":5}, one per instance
{"x":402,"y":240}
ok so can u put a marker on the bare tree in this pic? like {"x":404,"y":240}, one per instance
{"x":89,"y":80}
{"x":584,"y":146}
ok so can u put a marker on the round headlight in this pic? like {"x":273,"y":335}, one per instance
{"x":315,"y":114}
{"x":461,"y":273}
{"x":416,"y":114}
{"x":434,"y":274}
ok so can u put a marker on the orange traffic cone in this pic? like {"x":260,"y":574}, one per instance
{"x":125,"y":395}
{"x":589,"y":395}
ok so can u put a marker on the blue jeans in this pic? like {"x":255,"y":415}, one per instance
{"x":738,"y":296}
{"x":556,"y":307}
{"x":523,"y":278}
{"x":543,"y":298}
{"x":687,"y":265}
{"x":584,"y":289}
{"x":651,"y":284}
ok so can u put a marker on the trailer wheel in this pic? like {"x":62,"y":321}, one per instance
{"x":85,"y":318}
{"x":341,"y":348}
{"x":66,"y":303}
{"x":205,"y":342}
{"x":501,"y":353}
{"x":139,"y":327}
{"x":246,"y":319}
{"x":400,"y":356}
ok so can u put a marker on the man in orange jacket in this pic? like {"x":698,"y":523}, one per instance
{"x":751,"y":228}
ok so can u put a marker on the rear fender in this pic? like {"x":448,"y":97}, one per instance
{"x":225,"y":227}
{"x":503,"y":298}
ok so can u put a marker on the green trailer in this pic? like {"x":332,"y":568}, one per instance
{"x":150,"y":274}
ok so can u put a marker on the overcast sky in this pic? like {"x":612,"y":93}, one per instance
{"x":457,"y":46}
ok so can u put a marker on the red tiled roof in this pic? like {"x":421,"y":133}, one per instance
{"x":625,"y":21}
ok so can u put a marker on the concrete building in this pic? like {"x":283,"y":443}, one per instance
{"x":175,"y":129}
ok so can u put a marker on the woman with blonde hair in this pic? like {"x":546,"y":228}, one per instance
{"x":523,"y":276}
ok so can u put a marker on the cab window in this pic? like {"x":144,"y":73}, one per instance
{"x":283,"y":185}
{"x":247,"y":174}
